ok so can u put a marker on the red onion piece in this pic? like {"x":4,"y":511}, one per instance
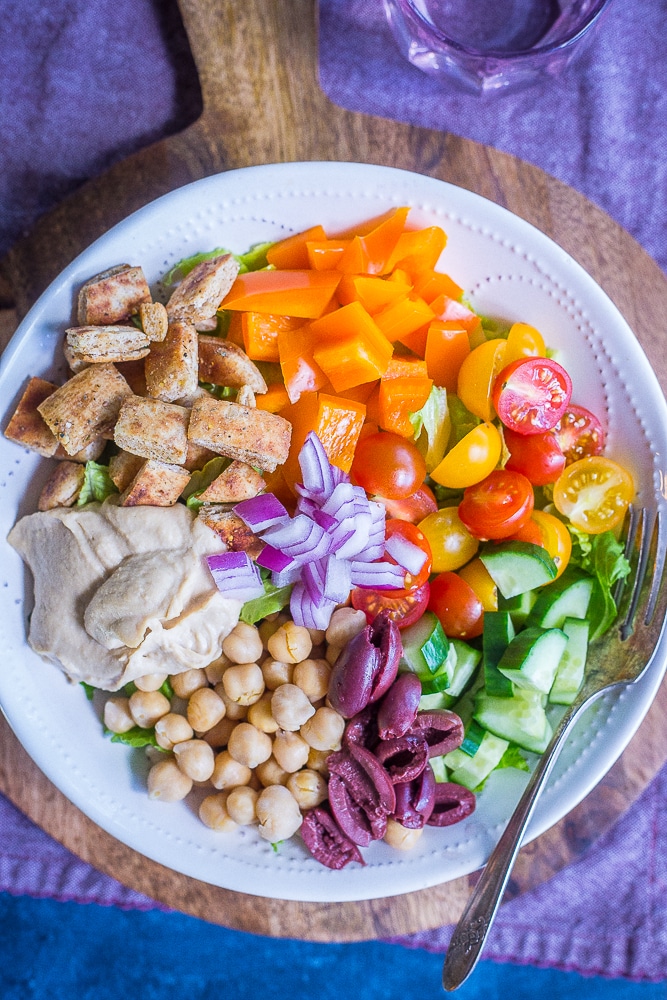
{"x":235,"y":575}
{"x":406,"y":553}
{"x":377,"y":575}
{"x":261,"y":512}
{"x":273,"y":559}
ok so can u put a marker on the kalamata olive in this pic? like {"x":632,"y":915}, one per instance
{"x":452,"y":804}
{"x":326,"y":841}
{"x":415,"y":800}
{"x":398,"y":708}
{"x":403,"y":758}
{"x":442,"y":730}
{"x":361,"y":794}
{"x":362,"y":728}
{"x":366,"y":667}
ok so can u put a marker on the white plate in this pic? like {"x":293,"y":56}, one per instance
{"x":507,"y":269}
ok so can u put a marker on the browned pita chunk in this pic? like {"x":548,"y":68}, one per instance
{"x":86,"y":407}
{"x":224,"y":363}
{"x":199,"y":295}
{"x":153,"y":429}
{"x":254,"y":436}
{"x":157,"y":484}
{"x":235,"y":483}
{"x":63,"y":486}
{"x":229,"y":527}
{"x":113,"y":296}
{"x":96,"y":344}
{"x":154,"y":320}
{"x":123,"y":467}
{"x":172,"y":367}
{"x":26,"y":425}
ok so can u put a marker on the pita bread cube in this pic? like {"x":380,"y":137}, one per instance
{"x":198,"y":296}
{"x":156,"y":484}
{"x":171,"y":367}
{"x":123,"y":467}
{"x":26,"y":425}
{"x":235,"y":483}
{"x":254,"y":436}
{"x":224,"y":363}
{"x":113,"y":296}
{"x":63,"y":486}
{"x":154,"y":320}
{"x":90,"y":453}
{"x":86,"y":407}
{"x":229,"y":527}
{"x":153,"y":429}
{"x":96,"y":344}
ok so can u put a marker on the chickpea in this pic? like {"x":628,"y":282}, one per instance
{"x":150,"y":682}
{"x":185,"y":683}
{"x":332,"y":654}
{"x":216,"y":669}
{"x":171,"y":729}
{"x":228,"y":773}
{"x":290,"y":643}
{"x":234,"y":710}
{"x":275,"y":673}
{"x":260,"y":715}
{"x":278,"y":814}
{"x":195,"y":758}
{"x":243,"y":644}
{"x":242,"y":805}
{"x":317,"y":636}
{"x":308,"y":788}
{"x":325,"y":730}
{"x":117,"y":715}
{"x":248,"y":746}
{"x":167,"y":782}
{"x":146,"y":707}
{"x":270,"y":625}
{"x":205,"y":709}
{"x":290,"y":750}
{"x":290,"y":707}
{"x":270,"y":772}
{"x":401,"y":838}
{"x":243,"y":683}
{"x":318,"y":761}
{"x":312,"y":676}
{"x":213,"y":813}
{"x":345,"y":623}
{"x":219,"y":735}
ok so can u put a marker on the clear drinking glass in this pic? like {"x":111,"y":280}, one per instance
{"x":489,"y":45}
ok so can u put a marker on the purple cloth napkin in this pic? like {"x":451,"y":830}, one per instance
{"x":85,"y":82}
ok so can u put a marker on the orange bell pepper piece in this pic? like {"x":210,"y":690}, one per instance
{"x":418,"y":250}
{"x":300,"y":371}
{"x":324,"y":255}
{"x":274,"y":399}
{"x":373,"y":292}
{"x":292,"y":252}
{"x":305,"y":294}
{"x":402,"y":318}
{"x":446,"y":308}
{"x":369,"y":253}
{"x":260,"y":334}
{"x":447,"y":346}
{"x":403,"y":388}
{"x":336,"y":421}
{"x":235,"y":329}
{"x":430,"y":284}
{"x":350,"y":348}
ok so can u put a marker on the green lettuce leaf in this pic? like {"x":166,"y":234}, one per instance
{"x":201,"y":479}
{"x":432,"y":425}
{"x":273,"y":599}
{"x":253,"y":259}
{"x":89,"y":689}
{"x":136,"y":737}
{"x":601,"y":556}
{"x":97,"y":484}
{"x":463,"y":421}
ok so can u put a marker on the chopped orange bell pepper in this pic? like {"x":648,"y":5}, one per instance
{"x":447,"y":345}
{"x":288,"y":293}
{"x":404,"y":388}
{"x":418,"y":250}
{"x":300,"y":371}
{"x":292,"y":253}
{"x":402,"y":318}
{"x":274,"y":399}
{"x":370,"y":225}
{"x":336,"y":421}
{"x":373,"y":292}
{"x":260,"y":334}
{"x":446,"y":308}
{"x":430,"y":284}
{"x":235,"y":329}
{"x":350,"y":348}
{"x":369,"y":253}
{"x":324,"y":255}
{"x":276,"y":483}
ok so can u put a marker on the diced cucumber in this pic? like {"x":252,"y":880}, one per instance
{"x":516,"y":567}
{"x":497,"y":635}
{"x":474,"y":734}
{"x":471,"y":771}
{"x":444,"y":688}
{"x":518,"y":606}
{"x":427,"y":651}
{"x":521,"y":719}
{"x":467,"y":661}
{"x":439,"y":699}
{"x":570,"y":673}
{"x":439,"y":768}
{"x":532,"y":657}
{"x":567,"y":597}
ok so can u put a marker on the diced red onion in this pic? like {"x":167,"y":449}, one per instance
{"x":406,"y":553}
{"x":273,"y":559}
{"x":261,"y":512}
{"x":316,"y":470}
{"x":297,"y":536}
{"x":236,"y":575}
{"x":377,"y":575}
{"x":305,"y":612}
{"x":288,"y":576}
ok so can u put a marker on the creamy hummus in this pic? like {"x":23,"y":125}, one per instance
{"x":123,"y":591}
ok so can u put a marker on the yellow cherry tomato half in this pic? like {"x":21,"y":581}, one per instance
{"x":471,"y":460}
{"x":594,"y":493}
{"x":556,"y":539}
{"x":451,"y":543}
{"x":477,"y":375}
{"x":478,"y":578}
{"x":524,"y":341}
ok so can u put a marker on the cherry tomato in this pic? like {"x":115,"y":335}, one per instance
{"x":594,"y":493}
{"x":411,"y":533}
{"x":413,"y":508}
{"x":531,"y":394}
{"x":388,"y":464}
{"x":528,"y":532}
{"x":524,"y":341}
{"x":457,"y":606}
{"x":477,"y":376}
{"x":477,"y":576}
{"x":579,"y":433}
{"x":471,"y":460}
{"x":537,"y":456}
{"x":556,"y":538}
{"x":405,"y":607}
{"x":498,"y":506}
{"x":451,"y":543}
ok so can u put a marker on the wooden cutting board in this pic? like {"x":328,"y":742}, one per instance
{"x":257,"y":63}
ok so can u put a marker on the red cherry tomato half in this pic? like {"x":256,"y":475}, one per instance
{"x":528,"y":532}
{"x":458,"y":607}
{"x":580,"y":433}
{"x":413,"y":508}
{"x":498,"y":506}
{"x":411,"y":533}
{"x":388,"y":464}
{"x":405,"y":607}
{"x":530,"y":395}
{"x":538,"y":457}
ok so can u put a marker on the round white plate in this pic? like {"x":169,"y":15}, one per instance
{"x":507,"y":269}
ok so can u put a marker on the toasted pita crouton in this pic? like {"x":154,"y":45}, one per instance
{"x":63,"y":486}
{"x":96,"y":344}
{"x":112,"y":296}
{"x":123,"y":467}
{"x":245,"y":396}
{"x":86,"y":407}
{"x":26,"y":425}
{"x":153,"y":429}
{"x":75,"y":363}
{"x":171,"y":367}
{"x":90,"y":453}
{"x":157,"y":484}
{"x":154,"y":320}
{"x":224,"y":363}
{"x":254,"y":436}
{"x":135,"y":376}
{"x":237,"y":482}
{"x":229,"y":527}
{"x":200,"y":293}
{"x":197,"y":456}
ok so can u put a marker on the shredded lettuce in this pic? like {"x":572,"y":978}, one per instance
{"x":136,"y":737}
{"x":463,"y":421}
{"x":201,"y":479}
{"x":219,"y":391}
{"x":89,"y":689}
{"x":602,"y":556}
{"x":274,"y":599}
{"x":97,"y":484}
{"x":253,"y":259}
{"x":432,"y":426}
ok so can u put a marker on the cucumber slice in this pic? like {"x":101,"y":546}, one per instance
{"x":520,"y":719}
{"x":519,"y":606}
{"x":516,"y":567}
{"x":440,"y":772}
{"x":532,"y":657}
{"x":570,"y":673}
{"x":467,"y":661}
{"x":471,"y":771}
{"x":439,"y":699}
{"x":567,"y":597}
{"x":427,"y":651}
{"x":497,"y":635}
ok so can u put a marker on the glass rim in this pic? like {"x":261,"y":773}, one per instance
{"x":503,"y":56}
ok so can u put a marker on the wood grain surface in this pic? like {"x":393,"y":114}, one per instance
{"x":257,"y":63}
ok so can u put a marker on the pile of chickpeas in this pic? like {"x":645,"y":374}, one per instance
{"x":254,"y":726}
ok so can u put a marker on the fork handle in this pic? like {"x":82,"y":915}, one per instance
{"x":475,"y":923}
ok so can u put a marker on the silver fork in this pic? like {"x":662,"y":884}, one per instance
{"x":621,"y":658}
